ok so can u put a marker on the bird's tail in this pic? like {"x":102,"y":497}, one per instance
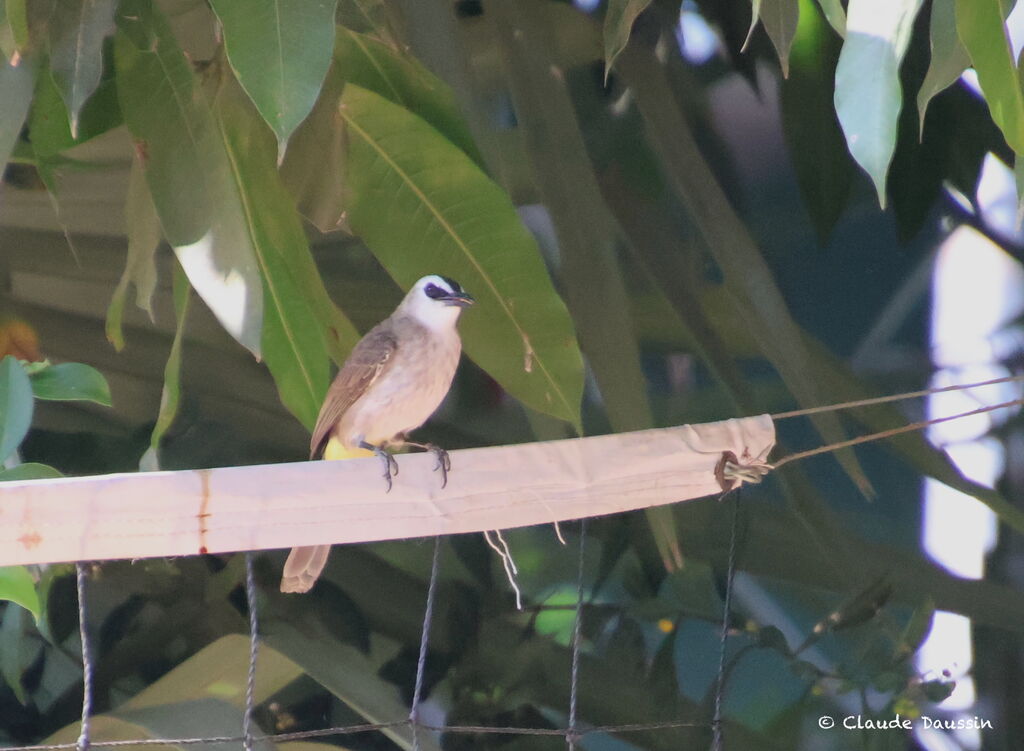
{"x":305,"y":564}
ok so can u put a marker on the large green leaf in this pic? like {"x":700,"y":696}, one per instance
{"x":50,"y":127}
{"x":299,"y":317}
{"x":16,"y":85}
{"x":780,"y":19}
{"x":824,"y":169}
{"x":17,"y":649}
{"x":835,"y":14}
{"x":17,"y":585}
{"x":949,"y":58}
{"x":422,"y":206}
{"x":618,"y":22}
{"x":76,"y":50}
{"x":983,"y":33}
{"x":280,"y":51}
{"x":15,"y":405}
{"x":189,"y":174}
{"x":170,"y":396}
{"x":314,"y":166}
{"x":71,"y":381}
{"x":29,"y":471}
{"x":144,"y":235}
{"x":868,"y":93}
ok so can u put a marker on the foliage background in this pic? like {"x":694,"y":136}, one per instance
{"x":653,"y":241}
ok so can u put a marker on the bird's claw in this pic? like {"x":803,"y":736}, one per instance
{"x":390,"y":463}
{"x":444,"y":462}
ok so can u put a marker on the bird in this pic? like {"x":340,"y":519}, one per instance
{"x":392,"y":382}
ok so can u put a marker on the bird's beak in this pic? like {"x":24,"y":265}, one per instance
{"x":463,"y":299}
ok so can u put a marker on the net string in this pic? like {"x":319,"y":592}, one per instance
{"x":572,"y":734}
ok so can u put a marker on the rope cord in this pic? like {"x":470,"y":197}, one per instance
{"x":84,"y":742}
{"x":421,"y":663}
{"x":892,"y":432}
{"x":892,"y":398}
{"x":370,"y":728}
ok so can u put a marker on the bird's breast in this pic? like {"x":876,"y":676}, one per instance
{"x":407,"y":393}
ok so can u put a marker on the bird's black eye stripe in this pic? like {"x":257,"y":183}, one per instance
{"x":434,"y":292}
{"x":453,"y":284}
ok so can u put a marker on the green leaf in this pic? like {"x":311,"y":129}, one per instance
{"x":15,"y":405}
{"x":280,"y":51}
{"x":189,"y":174}
{"x":76,"y":50}
{"x":17,"y":650}
{"x":298,"y":315}
{"x":780,"y":19}
{"x":817,"y":149}
{"x":29,"y":471}
{"x":314,"y":167}
{"x":618,"y":22}
{"x":868,"y":93}
{"x":71,"y":381}
{"x":17,"y":585}
{"x":16,"y":85}
{"x":171,"y":394}
{"x":50,"y":128}
{"x":17,"y":21}
{"x":949,"y":58}
{"x":144,"y":235}
{"x":835,"y":14}
{"x":983,"y":33}
{"x":464,"y":226}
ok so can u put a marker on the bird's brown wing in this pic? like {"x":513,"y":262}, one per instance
{"x":369,"y":358}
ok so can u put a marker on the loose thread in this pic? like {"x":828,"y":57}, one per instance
{"x":507,"y":562}
{"x":421,"y":663}
{"x":574,"y":679}
{"x":254,"y":646}
{"x":83,"y":742}
{"x":893,"y":397}
{"x":716,"y":722}
{"x":892,"y":432}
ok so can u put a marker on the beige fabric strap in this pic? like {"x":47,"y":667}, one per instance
{"x":284,"y":505}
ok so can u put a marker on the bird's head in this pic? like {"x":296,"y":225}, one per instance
{"x":436,"y":301}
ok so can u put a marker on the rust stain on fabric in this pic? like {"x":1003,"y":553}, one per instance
{"x":204,"y":512}
{"x":30,"y":540}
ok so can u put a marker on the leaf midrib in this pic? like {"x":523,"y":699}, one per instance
{"x":447,"y":227}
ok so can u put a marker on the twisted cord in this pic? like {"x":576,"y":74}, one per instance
{"x":574,"y":680}
{"x":84,"y":742}
{"x":254,"y":646}
{"x":716,"y":722}
{"x":421,"y":663}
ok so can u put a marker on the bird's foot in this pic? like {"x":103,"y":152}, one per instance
{"x":444,"y":462}
{"x":390,"y":463}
